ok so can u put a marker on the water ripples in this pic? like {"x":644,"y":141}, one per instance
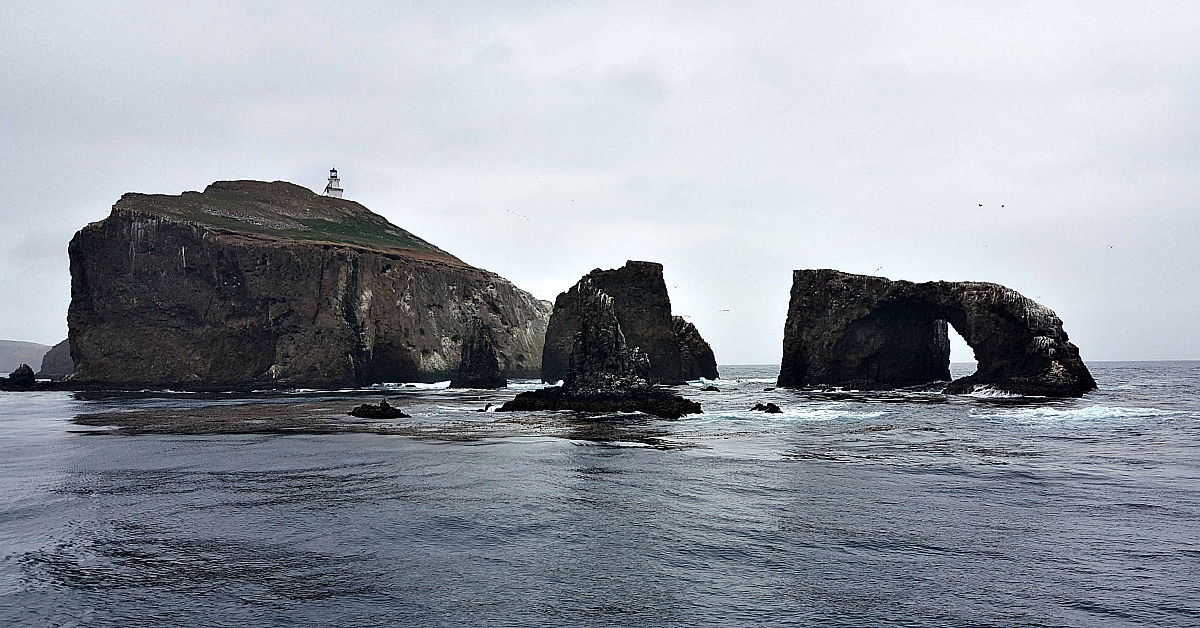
{"x":848,"y":509}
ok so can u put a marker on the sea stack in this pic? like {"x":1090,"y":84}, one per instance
{"x":604,"y":372}
{"x":864,"y":332}
{"x":643,"y":310}
{"x":253,"y":284}
{"x":479,"y":367}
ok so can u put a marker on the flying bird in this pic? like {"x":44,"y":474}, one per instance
{"x":981,"y":204}
{"x":1002,"y":206}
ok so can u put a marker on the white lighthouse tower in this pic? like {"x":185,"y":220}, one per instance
{"x":334,"y":187}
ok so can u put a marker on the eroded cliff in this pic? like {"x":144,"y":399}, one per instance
{"x":269,"y":284}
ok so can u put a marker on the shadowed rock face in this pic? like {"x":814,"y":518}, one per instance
{"x":479,"y":367}
{"x":870,"y":332}
{"x":57,"y":363}
{"x":604,"y":373}
{"x":642,"y":308}
{"x":601,"y":360}
{"x":696,"y":357}
{"x":267,"y":284}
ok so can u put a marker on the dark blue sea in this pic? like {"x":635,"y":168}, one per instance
{"x":848,"y":509}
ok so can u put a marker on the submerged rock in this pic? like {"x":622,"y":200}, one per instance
{"x":643,"y":309}
{"x":253,"y":284}
{"x":478,"y":367}
{"x":604,"y":374}
{"x":866,"y":332}
{"x":769,"y":408}
{"x":660,"y":403}
{"x":382,"y":411}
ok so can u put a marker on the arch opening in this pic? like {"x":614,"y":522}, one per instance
{"x":962,"y":355}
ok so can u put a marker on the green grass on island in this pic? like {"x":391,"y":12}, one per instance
{"x":280,"y":210}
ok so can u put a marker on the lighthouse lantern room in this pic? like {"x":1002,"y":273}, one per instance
{"x":334,"y":187}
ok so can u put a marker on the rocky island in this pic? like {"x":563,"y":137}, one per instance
{"x":252,"y":284}
{"x":871,"y":333}
{"x":605,"y":373}
{"x":640,"y":302}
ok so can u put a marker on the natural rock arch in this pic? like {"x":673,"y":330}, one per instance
{"x":870,"y":333}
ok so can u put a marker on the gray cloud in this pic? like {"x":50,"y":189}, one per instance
{"x":732,"y":142}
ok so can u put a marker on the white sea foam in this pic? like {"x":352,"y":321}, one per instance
{"x":987,"y":392}
{"x":413,"y":386}
{"x":1063,"y":415}
{"x":824,"y":413}
{"x":736,"y":381}
{"x":528,"y":384}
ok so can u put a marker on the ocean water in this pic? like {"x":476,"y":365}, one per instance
{"x":848,"y":509}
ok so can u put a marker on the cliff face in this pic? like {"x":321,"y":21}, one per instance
{"x":57,"y":363}
{"x":695,"y":355}
{"x":252,"y":283}
{"x":871,"y":332}
{"x":643,"y":309}
{"x":601,"y":360}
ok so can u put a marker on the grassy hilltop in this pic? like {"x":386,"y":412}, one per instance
{"x":282,"y":210}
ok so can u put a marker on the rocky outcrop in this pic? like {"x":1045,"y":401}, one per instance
{"x":696,"y":358}
{"x":868,"y":332}
{"x":253,"y":284}
{"x":57,"y":363}
{"x":605,"y":373}
{"x":643,"y":310}
{"x":20,"y":379}
{"x":478,"y":366}
{"x":382,"y":411}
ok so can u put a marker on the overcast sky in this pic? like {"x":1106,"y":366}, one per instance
{"x":733,"y":142}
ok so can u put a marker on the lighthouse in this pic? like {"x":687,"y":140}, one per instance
{"x":334,"y":187}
